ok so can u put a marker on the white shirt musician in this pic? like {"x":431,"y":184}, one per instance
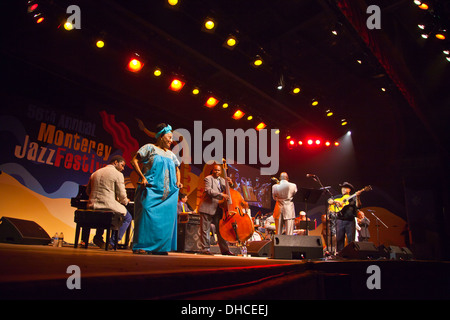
{"x":284,"y":211}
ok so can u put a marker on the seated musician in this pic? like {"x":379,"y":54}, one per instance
{"x":183,"y":206}
{"x":106,"y":190}
{"x":345,"y":223}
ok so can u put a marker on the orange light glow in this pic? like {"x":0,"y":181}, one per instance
{"x":336,"y":143}
{"x":211,"y":102}
{"x":260,"y":126}
{"x":176,"y":85}
{"x":238,"y":115}
{"x":135,"y":65}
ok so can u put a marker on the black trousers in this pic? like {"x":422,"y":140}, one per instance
{"x":205,"y":229}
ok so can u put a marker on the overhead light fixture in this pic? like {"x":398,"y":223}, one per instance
{"x":344,"y":122}
{"x":135,"y":64}
{"x":296,"y":90}
{"x":446,"y":52}
{"x":329,"y":113}
{"x":38,"y":17}
{"x":225,"y":105}
{"x":314,"y":102}
{"x":68,"y":26}
{"x":32,"y":6}
{"x":100,"y":44}
{"x":209,"y":25}
{"x":172,"y":2}
{"x":157,"y":72}
{"x":423,"y":6}
{"x":176,"y":85}
{"x":230,"y":42}
{"x":441,"y":34}
{"x":249,"y":118}
{"x":211,"y":102}
{"x":195,"y":91}
{"x":238,"y":114}
{"x":258,"y":61}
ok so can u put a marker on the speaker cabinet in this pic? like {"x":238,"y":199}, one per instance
{"x":259,"y":248}
{"x":188,"y":238}
{"x":20,"y":231}
{"x":296,"y":247}
{"x":360,"y":250}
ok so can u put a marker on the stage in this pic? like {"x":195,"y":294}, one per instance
{"x":36,"y":272}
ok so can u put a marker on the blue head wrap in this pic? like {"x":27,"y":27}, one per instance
{"x":163,"y":131}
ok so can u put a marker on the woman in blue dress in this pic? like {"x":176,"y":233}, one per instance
{"x":155,"y":204}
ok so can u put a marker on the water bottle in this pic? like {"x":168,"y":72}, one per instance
{"x":55,"y":240}
{"x":60,"y":240}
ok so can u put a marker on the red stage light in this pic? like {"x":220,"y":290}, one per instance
{"x":327,"y":143}
{"x":291,"y":143}
{"x":176,"y":85}
{"x":310,"y":142}
{"x":135,"y":65}
{"x":300,"y":143}
{"x":318,"y":141}
{"x":336,"y":143}
{"x":211,"y":102}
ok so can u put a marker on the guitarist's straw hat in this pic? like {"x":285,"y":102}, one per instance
{"x":347,"y":185}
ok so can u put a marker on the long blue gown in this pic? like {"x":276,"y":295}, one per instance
{"x":155,"y":207}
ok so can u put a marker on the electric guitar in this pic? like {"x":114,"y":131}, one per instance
{"x":341,"y":202}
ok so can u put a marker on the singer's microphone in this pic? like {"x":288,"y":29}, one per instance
{"x":310,"y":175}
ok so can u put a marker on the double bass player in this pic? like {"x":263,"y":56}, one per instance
{"x":211,"y":212}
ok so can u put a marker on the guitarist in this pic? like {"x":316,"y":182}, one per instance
{"x":345,"y":223}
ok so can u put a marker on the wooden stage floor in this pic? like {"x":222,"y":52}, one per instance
{"x":43,"y":272}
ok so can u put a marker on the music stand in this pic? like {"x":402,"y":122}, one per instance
{"x":307,"y":225}
{"x":307,"y":195}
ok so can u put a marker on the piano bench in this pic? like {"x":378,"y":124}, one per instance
{"x":87,"y":219}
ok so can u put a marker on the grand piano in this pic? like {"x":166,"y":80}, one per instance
{"x":81,"y":201}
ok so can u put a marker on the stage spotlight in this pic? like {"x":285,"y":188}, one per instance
{"x":68,"y":26}
{"x":39,"y":18}
{"x":261,"y":126}
{"x":327,"y":143}
{"x":423,"y":6}
{"x":258,"y":61}
{"x":176,"y":85}
{"x":446,"y":52}
{"x":157,"y":72}
{"x":225,"y":105}
{"x":195,"y":91}
{"x":238,"y":114}
{"x":421,"y":26}
{"x":230,"y":42}
{"x":296,"y":90}
{"x":329,"y":113}
{"x":344,"y":122}
{"x":209,"y":25}
{"x":249,"y":118}
{"x":300,"y":142}
{"x":314,"y":102}
{"x":318,"y":142}
{"x":310,"y":141}
{"x":424,"y":35}
{"x":336,"y":144}
{"x":448,"y":58}
{"x":291,"y":142}
{"x":211,"y":102}
{"x":172,"y":2}
{"x":135,"y":64}
{"x":440,"y":35}
{"x":32,"y":6}
{"x":277,"y":131}
{"x":288,"y":137}
{"x":100,"y":44}
{"x":349,"y":133}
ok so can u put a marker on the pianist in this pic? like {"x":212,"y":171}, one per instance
{"x":106,"y":190}
{"x":183,"y":206}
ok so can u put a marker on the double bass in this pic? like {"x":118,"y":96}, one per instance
{"x":236,"y":224}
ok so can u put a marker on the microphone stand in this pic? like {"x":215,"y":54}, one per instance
{"x":316,"y":178}
{"x":377,"y":225}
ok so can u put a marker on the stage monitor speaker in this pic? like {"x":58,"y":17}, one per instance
{"x":20,"y":231}
{"x":188,"y":238}
{"x":296,"y":247}
{"x":360,"y":250}
{"x":259,"y":248}
{"x":397,"y":253}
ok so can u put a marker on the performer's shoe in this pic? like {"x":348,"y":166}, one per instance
{"x":228,"y":253}
{"x":99,"y":242}
{"x":205,"y":252}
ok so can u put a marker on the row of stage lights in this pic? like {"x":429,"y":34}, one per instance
{"x":431,"y":28}
{"x":136,"y":64}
